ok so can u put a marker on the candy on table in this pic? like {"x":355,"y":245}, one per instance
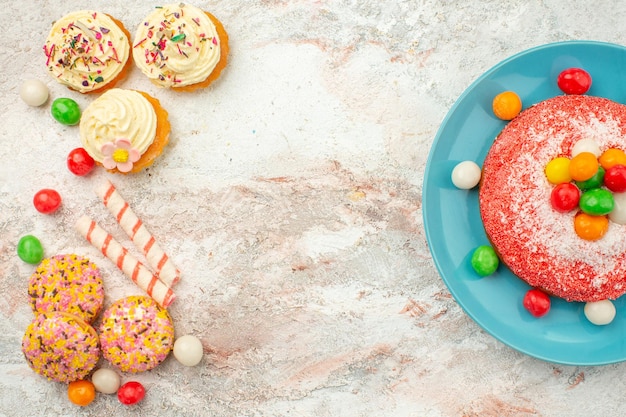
{"x":466,"y":175}
{"x":79,"y":162}
{"x":106,"y":381}
{"x":600,"y":313}
{"x":536,"y":302}
{"x":131,"y":393}
{"x":81,"y":392}
{"x":29,"y":249}
{"x":162,"y":265}
{"x":188,"y":350}
{"x":131,"y":267}
{"x":47,"y":201}
{"x":574,"y":81}
{"x":34,"y":92}
{"x":506,"y":105}
{"x":484,"y":260}
{"x":65,"y":111}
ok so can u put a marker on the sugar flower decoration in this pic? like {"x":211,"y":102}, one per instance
{"x":119,"y":154}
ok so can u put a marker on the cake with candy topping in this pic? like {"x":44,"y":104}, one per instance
{"x":180,"y":46}
{"x":88,"y":51}
{"x":541,"y":244}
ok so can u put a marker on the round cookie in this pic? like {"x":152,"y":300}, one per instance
{"x":68,"y":283}
{"x":60,"y":346}
{"x":538,"y":243}
{"x":136,"y":334}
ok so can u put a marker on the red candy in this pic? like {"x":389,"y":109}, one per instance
{"x":131,"y":393}
{"x":47,"y":201}
{"x":79,"y":162}
{"x":536,"y":302}
{"x":615,"y":178}
{"x":574,"y":81}
{"x":565,"y":197}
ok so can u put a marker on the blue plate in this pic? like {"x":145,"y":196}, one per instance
{"x":452,"y":220}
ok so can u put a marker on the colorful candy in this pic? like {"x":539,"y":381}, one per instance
{"x":583,"y":166}
{"x":466,"y":175}
{"x":590,"y":227}
{"x":618,"y":214}
{"x":484,"y":260}
{"x":536,"y":302}
{"x":557,"y":170}
{"x":600,"y":313}
{"x":574,"y":81}
{"x":106,"y":381}
{"x":34,"y":92}
{"x":65,"y":111}
{"x":30,"y":250}
{"x":612,"y":157}
{"x":81,"y":392}
{"x":507,"y":105}
{"x":594,"y":182}
{"x":47,"y":201}
{"x":79,"y":162}
{"x":586,"y":145}
{"x":597,"y":202}
{"x":615,"y":178}
{"x":131,"y":393}
{"x":565,"y":197}
{"x":188,"y":350}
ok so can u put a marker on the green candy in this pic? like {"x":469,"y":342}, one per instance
{"x":597,"y":202}
{"x":484,"y":260}
{"x":594,"y":182}
{"x":29,"y":249}
{"x":65,"y":111}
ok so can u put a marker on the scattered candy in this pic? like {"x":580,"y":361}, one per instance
{"x":597,"y":202}
{"x":30,"y":250}
{"x":574,"y":81}
{"x":466,"y":175}
{"x":536,"y":302}
{"x":590,"y":227}
{"x":615,"y":178}
{"x":188,"y":350}
{"x":81,"y":392}
{"x":565,"y":197}
{"x":594,"y":182}
{"x":484,"y":260}
{"x":583,"y":166}
{"x":65,"y":111}
{"x":79,"y":162}
{"x":34,"y":92}
{"x":618,"y":214}
{"x":106,"y":381}
{"x":612,"y":157}
{"x":47,"y":201}
{"x":600,"y":313}
{"x":507,"y":105}
{"x":586,"y":145}
{"x":131,"y":393}
{"x":557,"y":170}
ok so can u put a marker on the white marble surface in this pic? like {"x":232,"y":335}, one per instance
{"x":290,"y":196}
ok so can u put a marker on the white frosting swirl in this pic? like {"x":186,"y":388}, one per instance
{"x":85,"y":50}
{"x":176,"y":45}
{"x":114,"y":115}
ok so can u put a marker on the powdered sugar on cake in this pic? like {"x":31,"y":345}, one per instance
{"x":535,"y":241}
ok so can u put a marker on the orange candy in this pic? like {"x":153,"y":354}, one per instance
{"x":612,"y":157}
{"x":583,"y":166}
{"x":81,"y":392}
{"x":590,"y":227}
{"x":507,"y":105}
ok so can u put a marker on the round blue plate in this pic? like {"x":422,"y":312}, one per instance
{"x":452,"y":220}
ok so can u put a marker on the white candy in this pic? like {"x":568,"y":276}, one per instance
{"x":466,"y":175}
{"x":34,"y":92}
{"x":106,"y":381}
{"x":188,"y":350}
{"x":618,"y":214}
{"x":586,"y":145}
{"x":600,"y":313}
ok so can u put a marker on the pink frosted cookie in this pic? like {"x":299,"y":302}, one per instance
{"x":136,"y":334}
{"x":68,"y":283}
{"x":60,"y":346}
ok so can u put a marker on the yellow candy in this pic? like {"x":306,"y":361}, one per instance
{"x":557,"y":170}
